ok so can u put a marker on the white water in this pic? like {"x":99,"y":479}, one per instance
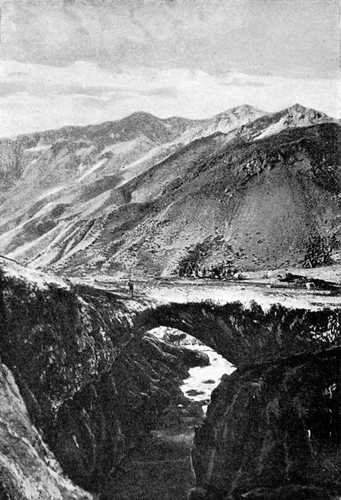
{"x":203,"y":379}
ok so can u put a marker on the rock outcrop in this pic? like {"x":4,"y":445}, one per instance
{"x":273,"y":431}
{"x":28,"y":469}
{"x":94,"y":384}
{"x":91,"y":388}
{"x":248,"y":335}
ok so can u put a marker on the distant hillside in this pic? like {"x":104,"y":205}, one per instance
{"x":151,"y":194}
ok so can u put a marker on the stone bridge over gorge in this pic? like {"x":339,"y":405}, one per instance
{"x":247,"y":335}
{"x":77,"y":355}
{"x":275,"y":422}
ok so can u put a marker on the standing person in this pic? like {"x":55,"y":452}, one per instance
{"x":131,"y":288}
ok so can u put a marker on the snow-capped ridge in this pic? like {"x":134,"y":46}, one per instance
{"x":294,"y":116}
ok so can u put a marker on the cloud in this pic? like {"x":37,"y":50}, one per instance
{"x":239,"y":82}
{"x":17,"y":74}
{"x":10,"y":88}
{"x":164,"y":92}
{"x":84,"y":79}
{"x":91,"y":91}
{"x":86,"y":61}
{"x":283,"y":38}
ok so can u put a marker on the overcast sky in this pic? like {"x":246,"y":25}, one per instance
{"x":86,"y":61}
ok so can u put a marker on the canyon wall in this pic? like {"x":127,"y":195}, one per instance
{"x":273,"y":432}
{"x":80,"y":374}
{"x":86,"y":385}
{"x":28,"y":469}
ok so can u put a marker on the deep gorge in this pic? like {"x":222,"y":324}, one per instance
{"x":94,"y":384}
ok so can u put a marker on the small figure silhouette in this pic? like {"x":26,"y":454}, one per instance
{"x":131,"y":288}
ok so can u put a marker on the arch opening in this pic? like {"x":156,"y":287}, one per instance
{"x":264,"y":345}
{"x":202,"y":379}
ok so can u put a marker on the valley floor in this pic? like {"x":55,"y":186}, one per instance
{"x":265,"y":291}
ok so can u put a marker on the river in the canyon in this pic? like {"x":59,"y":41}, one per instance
{"x":162,"y":467}
{"x":203,"y":379}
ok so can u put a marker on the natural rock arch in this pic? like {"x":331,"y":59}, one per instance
{"x":246,"y":336}
{"x":72,"y":352}
{"x":273,"y":422}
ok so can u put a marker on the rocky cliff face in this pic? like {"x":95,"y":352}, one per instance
{"x":90,"y":387}
{"x":93,"y":384}
{"x":28,"y":469}
{"x":273,"y":432}
{"x":249,"y":335}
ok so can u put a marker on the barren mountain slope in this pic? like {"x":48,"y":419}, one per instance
{"x":263,"y":194}
{"x":265,"y":204}
{"x":71,"y":173}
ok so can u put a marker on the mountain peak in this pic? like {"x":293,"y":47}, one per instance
{"x":245,"y":107}
{"x":141,"y":115}
{"x":299,"y":109}
{"x":242,"y":112}
{"x":292,"y":117}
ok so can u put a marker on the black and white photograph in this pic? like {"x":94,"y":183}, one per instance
{"x":170,"y":250}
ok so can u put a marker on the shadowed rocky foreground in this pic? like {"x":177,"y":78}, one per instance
{"x":273,"y":431}
{"x":85,"y":390}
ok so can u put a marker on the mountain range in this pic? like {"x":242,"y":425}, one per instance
{"x":261,"y":190}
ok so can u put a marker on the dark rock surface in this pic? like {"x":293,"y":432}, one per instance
{"x":249,"y":335}
{"x":28,"y":470}
{"x":319,"y":284}
{"x":91,"y":388}
{"x":273,"y":431}
{"x":94,"y":385}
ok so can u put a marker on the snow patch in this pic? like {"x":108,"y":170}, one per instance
{"x":37,"y":148}
{"x":92,"y":169}
{"x":94,"y":204}
{"x":50,"y":192}
{"x":122,"y":147}
{"x":273,"y":129}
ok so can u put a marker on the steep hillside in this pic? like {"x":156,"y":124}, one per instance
{"x":263,"y":204}
{"x":76,"y":153}
{"x":73,"y":172}
{"x":265,"y":194}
